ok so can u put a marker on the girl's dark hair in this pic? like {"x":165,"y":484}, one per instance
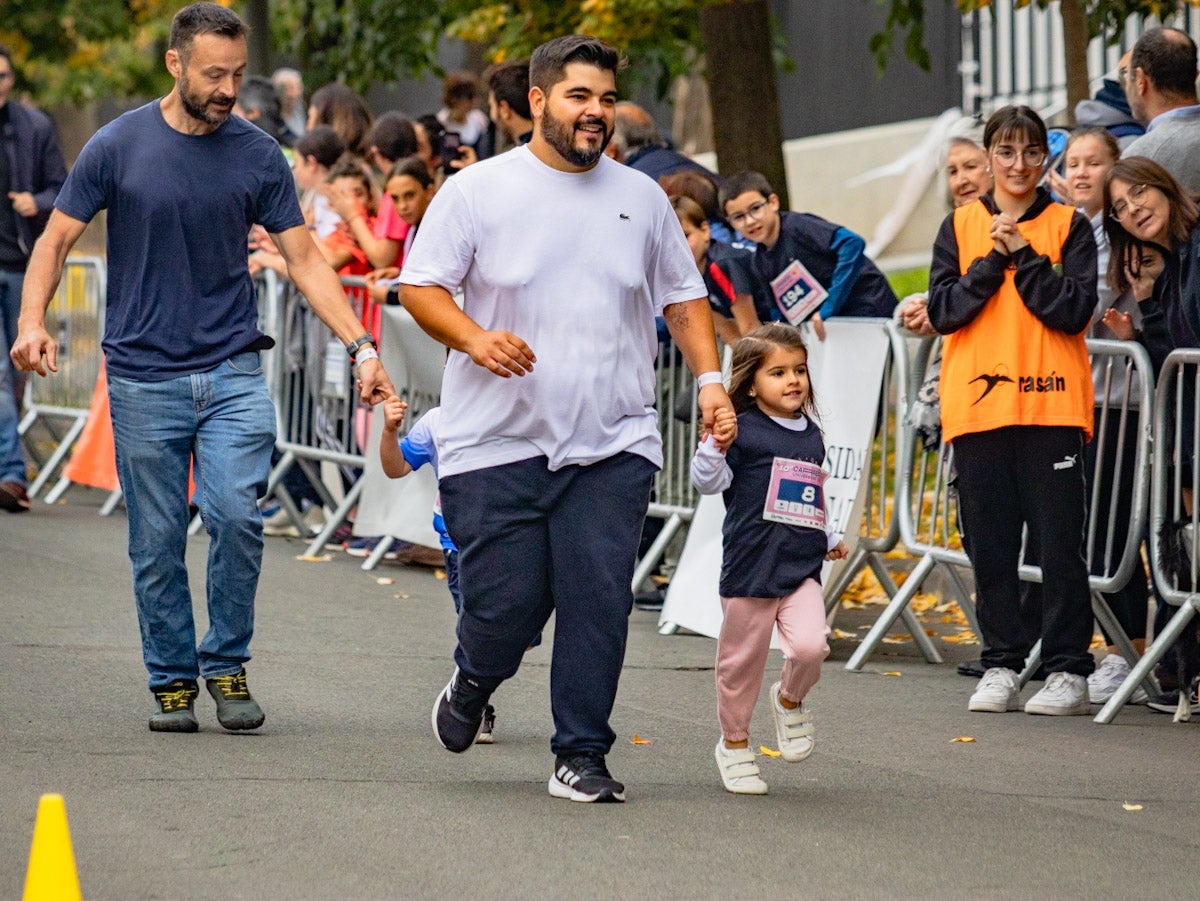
{"x":350,"y":166}
{"x":1182,"y":218}
{"x":1101,"y":134}
{"x":694,"y":184}
{"x":345,"y":111}
{"x":751,"y":350}
{"x":322,"y":143}
{"x":412,"y":167}
{"x":1011,"y":121}
{"x":688,"y":211}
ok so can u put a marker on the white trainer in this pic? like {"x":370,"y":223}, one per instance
{"x":1064,"y":694}
{"x":739,"y":772}
{"x":997,"y":692}
{"x":1104,"y":682}
{"x":794,"y":729}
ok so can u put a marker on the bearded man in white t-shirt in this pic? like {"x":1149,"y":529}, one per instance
{"x":549,"y":440}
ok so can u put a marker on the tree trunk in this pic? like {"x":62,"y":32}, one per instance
{"x":1075,"y":45}
{"x":745,"y":99}
{"x":258,"y":17}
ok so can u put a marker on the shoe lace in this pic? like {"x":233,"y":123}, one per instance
{"x":177,"y":699}
{"x":468,"y":698}
{"x":588,"y":765}
{"x":233,"y":687}
{"x":995,"y":678}
{"x":1058,"y":684}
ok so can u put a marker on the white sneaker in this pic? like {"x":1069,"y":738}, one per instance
{"x":1104,"y":682}
{"x":739,"y":771}
{"x":997,"y":692}
{"x":794,"y":729}
{"x":280,"y":525}
{"x":1064,"y":694}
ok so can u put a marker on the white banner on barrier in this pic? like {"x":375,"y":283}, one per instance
{"x":402,"y":508}
{"x":847,"y":373}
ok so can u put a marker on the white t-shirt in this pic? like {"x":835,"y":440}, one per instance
{"x":576,"y":264}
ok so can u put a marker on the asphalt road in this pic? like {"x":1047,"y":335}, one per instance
{"x":345,"y":794}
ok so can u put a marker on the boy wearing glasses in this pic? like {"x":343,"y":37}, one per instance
{"x":815,"y":268}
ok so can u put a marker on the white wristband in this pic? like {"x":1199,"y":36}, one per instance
{"x":366,"y":352}
{"x":708,"y":378}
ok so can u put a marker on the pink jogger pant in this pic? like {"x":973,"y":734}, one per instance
{"x":746,"y":640}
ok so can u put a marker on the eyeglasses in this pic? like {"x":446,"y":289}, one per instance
{"x":755,"y":212}
{"x":1033,"y":156}
{"x":1133,"y":197}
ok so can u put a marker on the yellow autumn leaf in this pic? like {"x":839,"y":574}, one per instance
{"x":889,"y":674}
{"x":838,"y":633}
{"x":439,"y":574}
{"x":384,"y":580}
{"x":638,"y":740}
{"x":1129,"y":806}
{"x":308,"y":558}
{"x":964,"y":739}
{"x":769,"y":752}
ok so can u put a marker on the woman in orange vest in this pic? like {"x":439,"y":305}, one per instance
{"x":1013,"y":286}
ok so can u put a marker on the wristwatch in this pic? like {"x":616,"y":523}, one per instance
{"x":358,"y":344}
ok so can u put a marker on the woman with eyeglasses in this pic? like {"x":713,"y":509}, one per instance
{"x":1013,"y":287}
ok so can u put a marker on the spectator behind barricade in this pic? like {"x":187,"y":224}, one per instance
{"x":351,"y":194}
{"x":1109,"y":110}
{"x":343,"y":110}
{"x":508,"y":100}
{"x":701,"y":188}
{"x":1013,"y":286}
{"x":771,"y":561}
{"x":1159,"y":78}
{"x":31,"y":173}
{"x":410,"y":190}
{"x":728,"y":273}
{"x":1091,"y":153}
{"x":460,"y":112}
{"x":1144,"y":203}
{"x":815,"y":269}
{"x":638,"y":143}
{"x":393,"y":137}
{"x":289,"y":87}
{"x":312,"y":159}
{"x":257,"y":102}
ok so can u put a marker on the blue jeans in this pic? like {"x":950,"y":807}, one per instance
{"x":12,"y":460}
{"x":225,"y":419}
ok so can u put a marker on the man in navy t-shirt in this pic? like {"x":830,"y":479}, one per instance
{"x":183,"y":181}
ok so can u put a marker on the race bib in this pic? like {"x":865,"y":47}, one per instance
{"x":796,"y":495}
{"x":797,"y":292}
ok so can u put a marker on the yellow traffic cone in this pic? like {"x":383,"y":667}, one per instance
{"x":51,"y":875}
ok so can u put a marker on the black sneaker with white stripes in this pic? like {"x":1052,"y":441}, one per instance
{"x":458,"y":712}
{"x":584,"y":777}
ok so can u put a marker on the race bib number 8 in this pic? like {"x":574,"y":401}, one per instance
{"x":796,"y":495}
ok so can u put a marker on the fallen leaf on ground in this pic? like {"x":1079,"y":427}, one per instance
{"x":402,"y":597}
{"x":1129,"y":806}
{"x":770,"y":752}
{"x":384,"y":580}
{"x":638,"y":740}
{"x":889,"y":674}
{"x":439,"y":574}
{"x":838,"y":633}
{"x":964,"y":739}
{"x":309,"y":558}
{"x":898,"y":639}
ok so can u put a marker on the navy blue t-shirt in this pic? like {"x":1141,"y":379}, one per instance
{"x":180,"y":297}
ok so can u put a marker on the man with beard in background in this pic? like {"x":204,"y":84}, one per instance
{"x":565,"y":258}
{"x":183,"y":181}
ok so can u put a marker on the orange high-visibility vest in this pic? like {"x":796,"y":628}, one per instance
{"x":1005,"y":367}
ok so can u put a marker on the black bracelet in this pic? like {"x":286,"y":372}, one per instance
{"x":393,"y":296}
{"x":354,"y":347}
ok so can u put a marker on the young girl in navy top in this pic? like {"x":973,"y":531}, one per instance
{"x":775,"y":541}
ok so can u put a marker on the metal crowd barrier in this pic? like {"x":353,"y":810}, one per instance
{"x":1176,"y":420}
{"x":76,"y":317}
{"x":319,"y":416}
{"x":927,"y":504}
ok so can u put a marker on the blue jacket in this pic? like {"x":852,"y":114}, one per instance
{"x":37,"y":166}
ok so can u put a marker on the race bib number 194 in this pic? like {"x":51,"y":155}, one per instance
{"x":798,"y":294}
{"x":796,"y":495}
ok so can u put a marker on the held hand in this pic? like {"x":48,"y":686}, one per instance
{"x":724,"y":429}
{"x":393,"y":413}
{"x":1142,"y":284}
{"x":35,"y":351}
{"x":376,"y":274}
{"x":373,"y":382}
{"x":714,"y":400}
{"x":23,"y":203}
{"x":839,"y":552}
{"x":1120,"y":324}
{"x":501,"y":353}
{"x":916,"y":318}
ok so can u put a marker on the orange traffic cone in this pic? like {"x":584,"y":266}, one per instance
{"x":51,"y":875}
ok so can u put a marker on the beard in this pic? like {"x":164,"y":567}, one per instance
{"x":196,"y":106}
{"x":560,"y":134}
